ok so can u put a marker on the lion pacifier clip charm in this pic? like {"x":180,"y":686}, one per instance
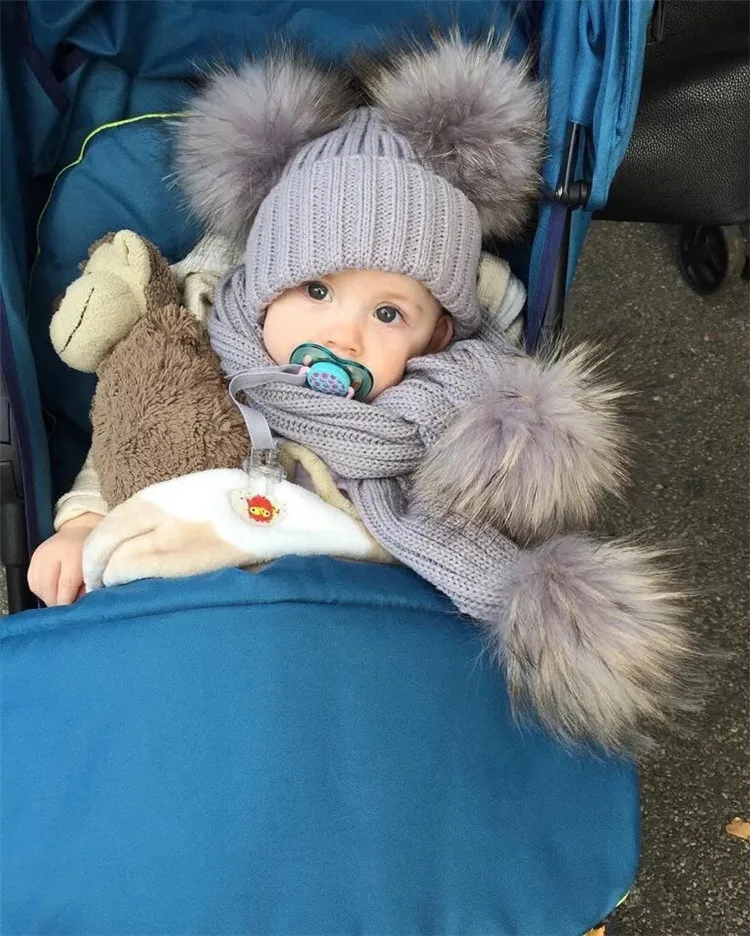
{"x":328,"y":373}
{"x":258,"y":503}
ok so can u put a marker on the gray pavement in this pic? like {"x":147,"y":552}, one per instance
{"x":689,"y":357}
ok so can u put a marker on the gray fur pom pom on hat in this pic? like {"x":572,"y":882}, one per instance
{"x":242,"y":128}
{"x":473,"y":116}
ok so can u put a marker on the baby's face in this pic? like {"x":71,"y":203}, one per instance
{"x":379,"y":319}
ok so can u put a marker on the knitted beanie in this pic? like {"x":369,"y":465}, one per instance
{"x":281,"y":157}
{"x":359,"y":199}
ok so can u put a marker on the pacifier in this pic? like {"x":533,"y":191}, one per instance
{"x":328,"y":373}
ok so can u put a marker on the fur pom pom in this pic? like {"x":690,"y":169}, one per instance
{"x":533,"y":455}
{"x":591,"y":641}
{"x":475,"y":117}
{"x":243,"y":127}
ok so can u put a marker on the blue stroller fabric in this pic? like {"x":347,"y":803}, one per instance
{"x":322,"y":747}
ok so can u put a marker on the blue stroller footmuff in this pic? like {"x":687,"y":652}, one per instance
{"x":318,"y":748}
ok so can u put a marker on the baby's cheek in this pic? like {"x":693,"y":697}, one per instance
{"x":388,"y":374}
{"x":276,"y":344}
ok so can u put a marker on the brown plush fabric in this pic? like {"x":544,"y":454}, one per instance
{"x":161,"y":407}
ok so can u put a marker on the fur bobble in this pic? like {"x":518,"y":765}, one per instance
{"x":242,"y":129}
{"x":472,"y":116}
{"x":591,"y":640}
{"x":535,"y":453}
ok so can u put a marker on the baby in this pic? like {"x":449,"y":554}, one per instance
{"x":357,"y":241}
{"x":353,"y":332}
{"x":353,"y":242}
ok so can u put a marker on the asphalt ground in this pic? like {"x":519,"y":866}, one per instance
{"x":688,"y":357}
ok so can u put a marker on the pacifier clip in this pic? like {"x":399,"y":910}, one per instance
{"x":313,"y":366}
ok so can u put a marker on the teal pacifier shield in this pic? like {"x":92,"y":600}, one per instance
{"x":331,"y":374}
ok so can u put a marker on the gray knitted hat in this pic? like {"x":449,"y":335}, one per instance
{"x":280,"y":155}
{"x":358,"y":198}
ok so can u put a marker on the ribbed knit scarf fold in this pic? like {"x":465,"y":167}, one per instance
{"x":375,"y":447}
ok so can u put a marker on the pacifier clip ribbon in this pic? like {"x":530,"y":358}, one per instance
{"x":257,"y":502}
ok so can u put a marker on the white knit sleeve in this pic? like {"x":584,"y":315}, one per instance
{"x":502,"y":295}
{"x":198,"y":274}
{"x":84,"y":497}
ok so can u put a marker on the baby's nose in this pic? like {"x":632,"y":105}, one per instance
{"x":343,"y":349}
{"x":345,"y":340}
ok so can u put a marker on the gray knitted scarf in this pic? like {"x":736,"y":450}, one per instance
{"x":375,"y":447}
{"x":588,"y":633}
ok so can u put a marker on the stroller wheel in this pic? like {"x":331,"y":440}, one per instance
{"x":708,"y":254}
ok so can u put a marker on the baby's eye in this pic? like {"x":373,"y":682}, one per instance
{"x":388,"y":314}
{"x":317,"y":291}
